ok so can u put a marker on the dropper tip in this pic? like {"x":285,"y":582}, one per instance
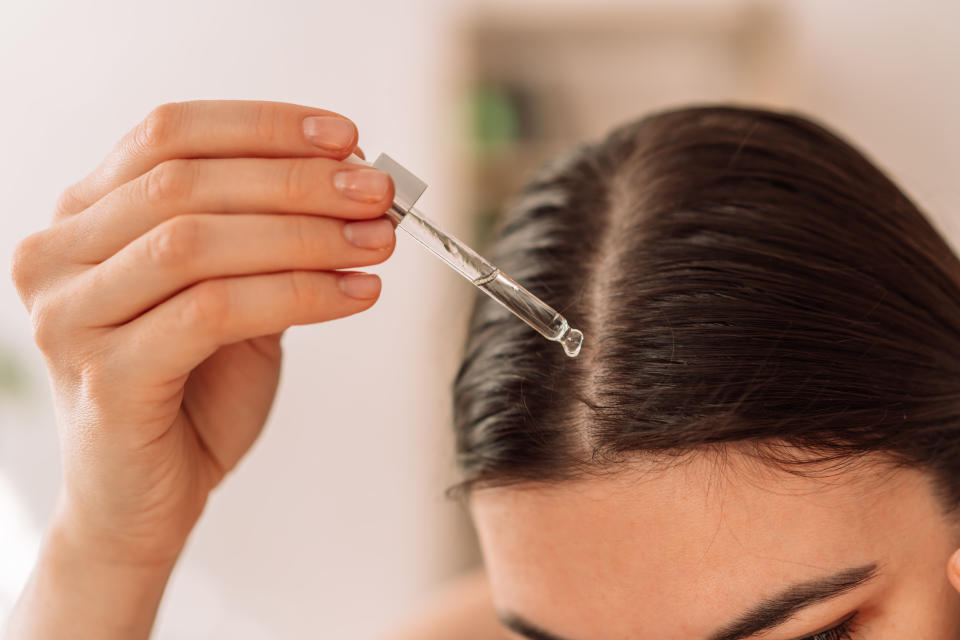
{"x":572,"y":340}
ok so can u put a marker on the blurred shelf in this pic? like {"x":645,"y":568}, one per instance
{"x":539,"y":82}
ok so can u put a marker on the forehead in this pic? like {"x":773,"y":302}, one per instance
{"x":678,"y":551}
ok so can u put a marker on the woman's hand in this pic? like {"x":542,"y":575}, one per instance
{"x":158,"y":297}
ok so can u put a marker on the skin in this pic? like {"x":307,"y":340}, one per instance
{"x":677,"y":553}
{"x":158,"y":296}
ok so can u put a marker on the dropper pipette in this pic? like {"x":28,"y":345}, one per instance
{"x":535,"y":312}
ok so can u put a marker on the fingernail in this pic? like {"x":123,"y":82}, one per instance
{"x":362,"y":286}
{"x":369,"y":234}
{"x":329,"y":132}
{"x":363,"y":185}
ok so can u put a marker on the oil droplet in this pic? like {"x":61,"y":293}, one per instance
{"x":571,"y":340}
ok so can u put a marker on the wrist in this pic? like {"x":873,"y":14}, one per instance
{"x":71,"y":542}
{"x":79,"y":590}
{"x":83,"y":531}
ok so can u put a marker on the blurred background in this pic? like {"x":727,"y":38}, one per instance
{"x":336,"y":523}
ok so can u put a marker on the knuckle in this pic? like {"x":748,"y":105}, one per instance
{"x":43,"y":320}
{"x":171,"y":180}
{"x":265,"y":118}
{"x":23,"y":262}
{"x":305,"y":236}
{"x":296,"y":185}
{"x":304,"y":288}
{"x":207,"y":306}
{"x":174,"y":242}
{"x":160,"y":126}
{"x":70,"y":200}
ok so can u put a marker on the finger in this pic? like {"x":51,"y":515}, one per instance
{"x":190,"y":249}
{"x":176,"y":336}
{"x":213,"y":129}
{"x":318,"y":186}
{"x":30,"y":265}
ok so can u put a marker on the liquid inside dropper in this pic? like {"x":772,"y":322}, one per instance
{"x":531,"y":309}
{"x":546,"y":320}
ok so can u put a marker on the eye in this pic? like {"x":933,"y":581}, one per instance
{"x":843,"y":631}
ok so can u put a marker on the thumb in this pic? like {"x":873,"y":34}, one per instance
{"x":953,"y":569}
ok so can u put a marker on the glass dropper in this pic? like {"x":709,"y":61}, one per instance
{"x":535,"y":312}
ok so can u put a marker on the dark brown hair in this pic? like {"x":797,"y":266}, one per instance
{"x":741,"y":276}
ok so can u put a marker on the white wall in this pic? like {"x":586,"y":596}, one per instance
{"x":335,"y":524}
{"x":332,"y":521}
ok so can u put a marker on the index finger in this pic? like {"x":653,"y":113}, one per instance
{"x":213,"y":129}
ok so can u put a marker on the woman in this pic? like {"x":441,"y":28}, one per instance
{"x":760,"y":439}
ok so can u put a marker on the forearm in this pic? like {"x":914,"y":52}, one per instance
{"x":74,"y":594}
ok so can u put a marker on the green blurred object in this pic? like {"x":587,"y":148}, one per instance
{"x":496,"y":122}
{"x":13,"y":377}
{"x":485,"y":223}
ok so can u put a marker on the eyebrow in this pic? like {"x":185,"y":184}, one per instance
{"x":525,"y":628}
{"x":779,"y":608}
{"x":767,"y":614}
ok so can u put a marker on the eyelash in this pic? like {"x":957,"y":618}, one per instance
{"x":843,"y":631}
